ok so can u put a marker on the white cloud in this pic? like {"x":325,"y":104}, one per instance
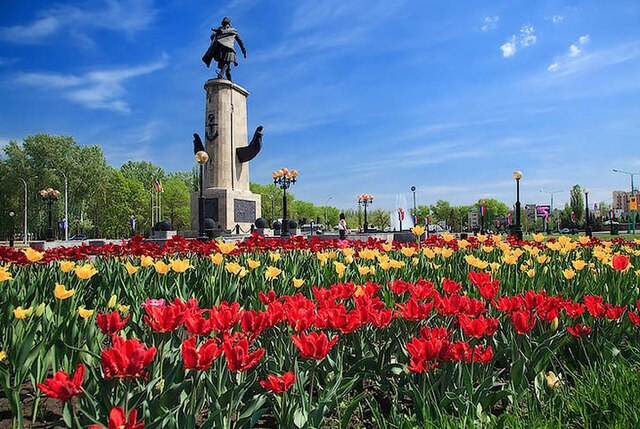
{"x":489,"y":23}
{"x":526,"y":38}
{"x":128,"y":16}
{"x":583,"y":39}
{"x":553,"y":67}
{"x":556,"y":19}
{"x":102,"y":89}
{"x":509,"y":48}
{"x":574,"y":51}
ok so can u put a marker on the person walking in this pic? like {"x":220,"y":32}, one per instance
{"x":342,"y":227}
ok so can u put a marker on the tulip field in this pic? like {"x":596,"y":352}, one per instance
{"x":272,"y":333}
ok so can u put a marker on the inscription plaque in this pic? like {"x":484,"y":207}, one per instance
{"x":244,"y":211}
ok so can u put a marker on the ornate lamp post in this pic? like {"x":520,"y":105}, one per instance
{"x":517,"y":228}
{"x":365,"y":200}
{"x":283,"y":179}
{"x":50,"y":195}
{"x":202,"y":157}
{"x":12,"y":216}
{"x":587,"y":224}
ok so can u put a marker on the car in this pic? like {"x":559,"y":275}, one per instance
{"x":568,"y":231}
{"x":78,"y":237}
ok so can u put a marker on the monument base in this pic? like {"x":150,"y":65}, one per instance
{"x":227,"y":208}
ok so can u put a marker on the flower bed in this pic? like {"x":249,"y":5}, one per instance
{"x":313,"y":333}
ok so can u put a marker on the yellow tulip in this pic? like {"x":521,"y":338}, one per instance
{"x":5,"y":276}
{"x":368,"y":253}
{"x":387,"y":247}
{"x":33,"y":255}
{"x":428,"y":252}
{"x":359,"y":291}
{"x":543,"y":259}
{"x":552,"y":380}
{"x":510,"y":259}
{"x":554,"y":324}
{"x":579,"y":264}
{"x":272,"y":273}
{"x":496,"y":238}
{"x":448,"y":237}
{"x":434,"y":266}
{"x":531,"y":273}
{"x":274,"y":256}
{"x":161,"y":267}
{"x":226,"y":248}
{"x":84,"y":313}
{"x":408,"y":251}
{"x":446,"y":252}
{"x":22,"y":313}
{"x":123,"y":308}
{"x":463,"y":244}
{"x":397,"y":264}
{"x":415,"y":261}
{"x":348,"y":259}
{"x":297,"y":282}
{"x":61,"y":292}
{"x":112,"y":301}
{"x":322,"y":257}
{"x":538,"y":238}
{"x":584,"y":240}
{"x":216,"y":258}
{"x":66,"y":266}
{"x":564,"y":240}
{"x":253,"y":264}
{"x":348,"y":252}
{"x":340,"y":268}
{"x":131,"y":269}
{"x":233,"y":267}
{"x":3,"y":355}
{"x":385,"y":264}
{"x":494,"y":266}
{"x":555,"y":246}
{"x":181,"y":265}
{"x":146,"y":261}
{"x":524,"y":267}
{"x":86,"y":271}
{"x":363,"y":270}
{"x":568,"y":273}
{"x":488,"y":249}
{"x":418,"y":230}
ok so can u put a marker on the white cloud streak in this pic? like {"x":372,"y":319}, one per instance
{"x":490,"y":23}
{"x":526,"y":37}
{"x":128,"y":16}
{"x":101,"y":89}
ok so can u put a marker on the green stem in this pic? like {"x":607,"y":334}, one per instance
{"x":313,"y":374}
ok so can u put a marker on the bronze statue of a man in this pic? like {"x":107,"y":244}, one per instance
{"x":222,"y":48}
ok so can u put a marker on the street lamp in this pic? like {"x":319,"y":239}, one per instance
{"x":415,"y":208}
{"x":587,"y":224}
{"x":631,"y":213}
{"x":50,"y":195}
{"x":273,"y":209}
{"x":26,"y":229}
{"x":365,"y":200}
{"x":283,"y":179}
{"x":326,"y":206}
{"x":66,"y":204}
{"x":517,"y":228}
{"x":551,"y":206}
{"x":12,"y":216}
{"x":202,"y":157}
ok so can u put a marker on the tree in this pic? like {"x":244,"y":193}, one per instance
{"x":142,"y":171}
{"x":176,"y":202}
{"x":577,"y":203}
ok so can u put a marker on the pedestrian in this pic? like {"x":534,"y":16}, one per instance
{"x":342,"y":227}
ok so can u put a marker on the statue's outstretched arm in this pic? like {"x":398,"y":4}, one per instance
{"x":241,"y":44}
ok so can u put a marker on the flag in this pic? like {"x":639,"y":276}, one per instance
{"x":509,"y":219}
{"x":483,"y":210}
{"x":415,"y":219}
{"x":573,"y":216}
{"x":612,"y":214}
{"x":595,"y":206}
{"x":400,"y":214}
{"x":156,"y":184}
{"x":427,"y":220}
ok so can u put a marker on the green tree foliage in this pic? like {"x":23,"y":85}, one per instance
{"x":176,"y":202}
{"x":577,"y":202}
{"x":142,"y":171}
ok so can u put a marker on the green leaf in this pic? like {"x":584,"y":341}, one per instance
{"x":300,"y":418}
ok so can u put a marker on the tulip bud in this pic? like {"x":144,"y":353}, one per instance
{"x":112,"y":301}
{"x":554,"y":324}
{"x":40,"y":309}
{"x":159,"y":387}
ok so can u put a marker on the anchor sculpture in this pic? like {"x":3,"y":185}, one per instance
{"x":247,"y":153}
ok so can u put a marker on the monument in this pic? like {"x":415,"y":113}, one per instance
{"x":227,"y":198}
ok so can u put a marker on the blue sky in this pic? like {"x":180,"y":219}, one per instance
{"x":361,"y":96}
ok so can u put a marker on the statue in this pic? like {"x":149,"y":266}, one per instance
{"x":222,"y":48}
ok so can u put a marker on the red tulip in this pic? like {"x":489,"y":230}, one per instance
{"x":613,"y":312}
{"x":423,"y":351}
{"x":313,"y":345}
{"x":489,"y":289}
{"x":594,"y":305}
{"x":238,"y":356}
{"x":63,"y":388}
{"x":126,"y":359}
{"x":110,"y":323}
{"x":478,"y":278}
{"x":199,"y":359}
{"x":478,"y":327}
{"x":579,"y":330}
{"x":225,"y":316}
{"x":197,"y":324}
{"x":118,"y":420}
{"x":413,"y":310}
{"x":479,"y":354}
{"x":524,"y":321}
{"x":164,"y":318}
{"x":450,"y":286}
{"x":620,"y":262}
{"x":268,"y":298}
{"x":299,"y":312}
{"x":254,"y":322}
{"x":634,"y":317}
{"x":279,"y":384}
{"x":574,"y":309}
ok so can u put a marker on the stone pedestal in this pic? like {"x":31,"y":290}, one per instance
{"x":228,"y":200}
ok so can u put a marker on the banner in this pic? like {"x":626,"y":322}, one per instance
{"x":543,"y":211}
